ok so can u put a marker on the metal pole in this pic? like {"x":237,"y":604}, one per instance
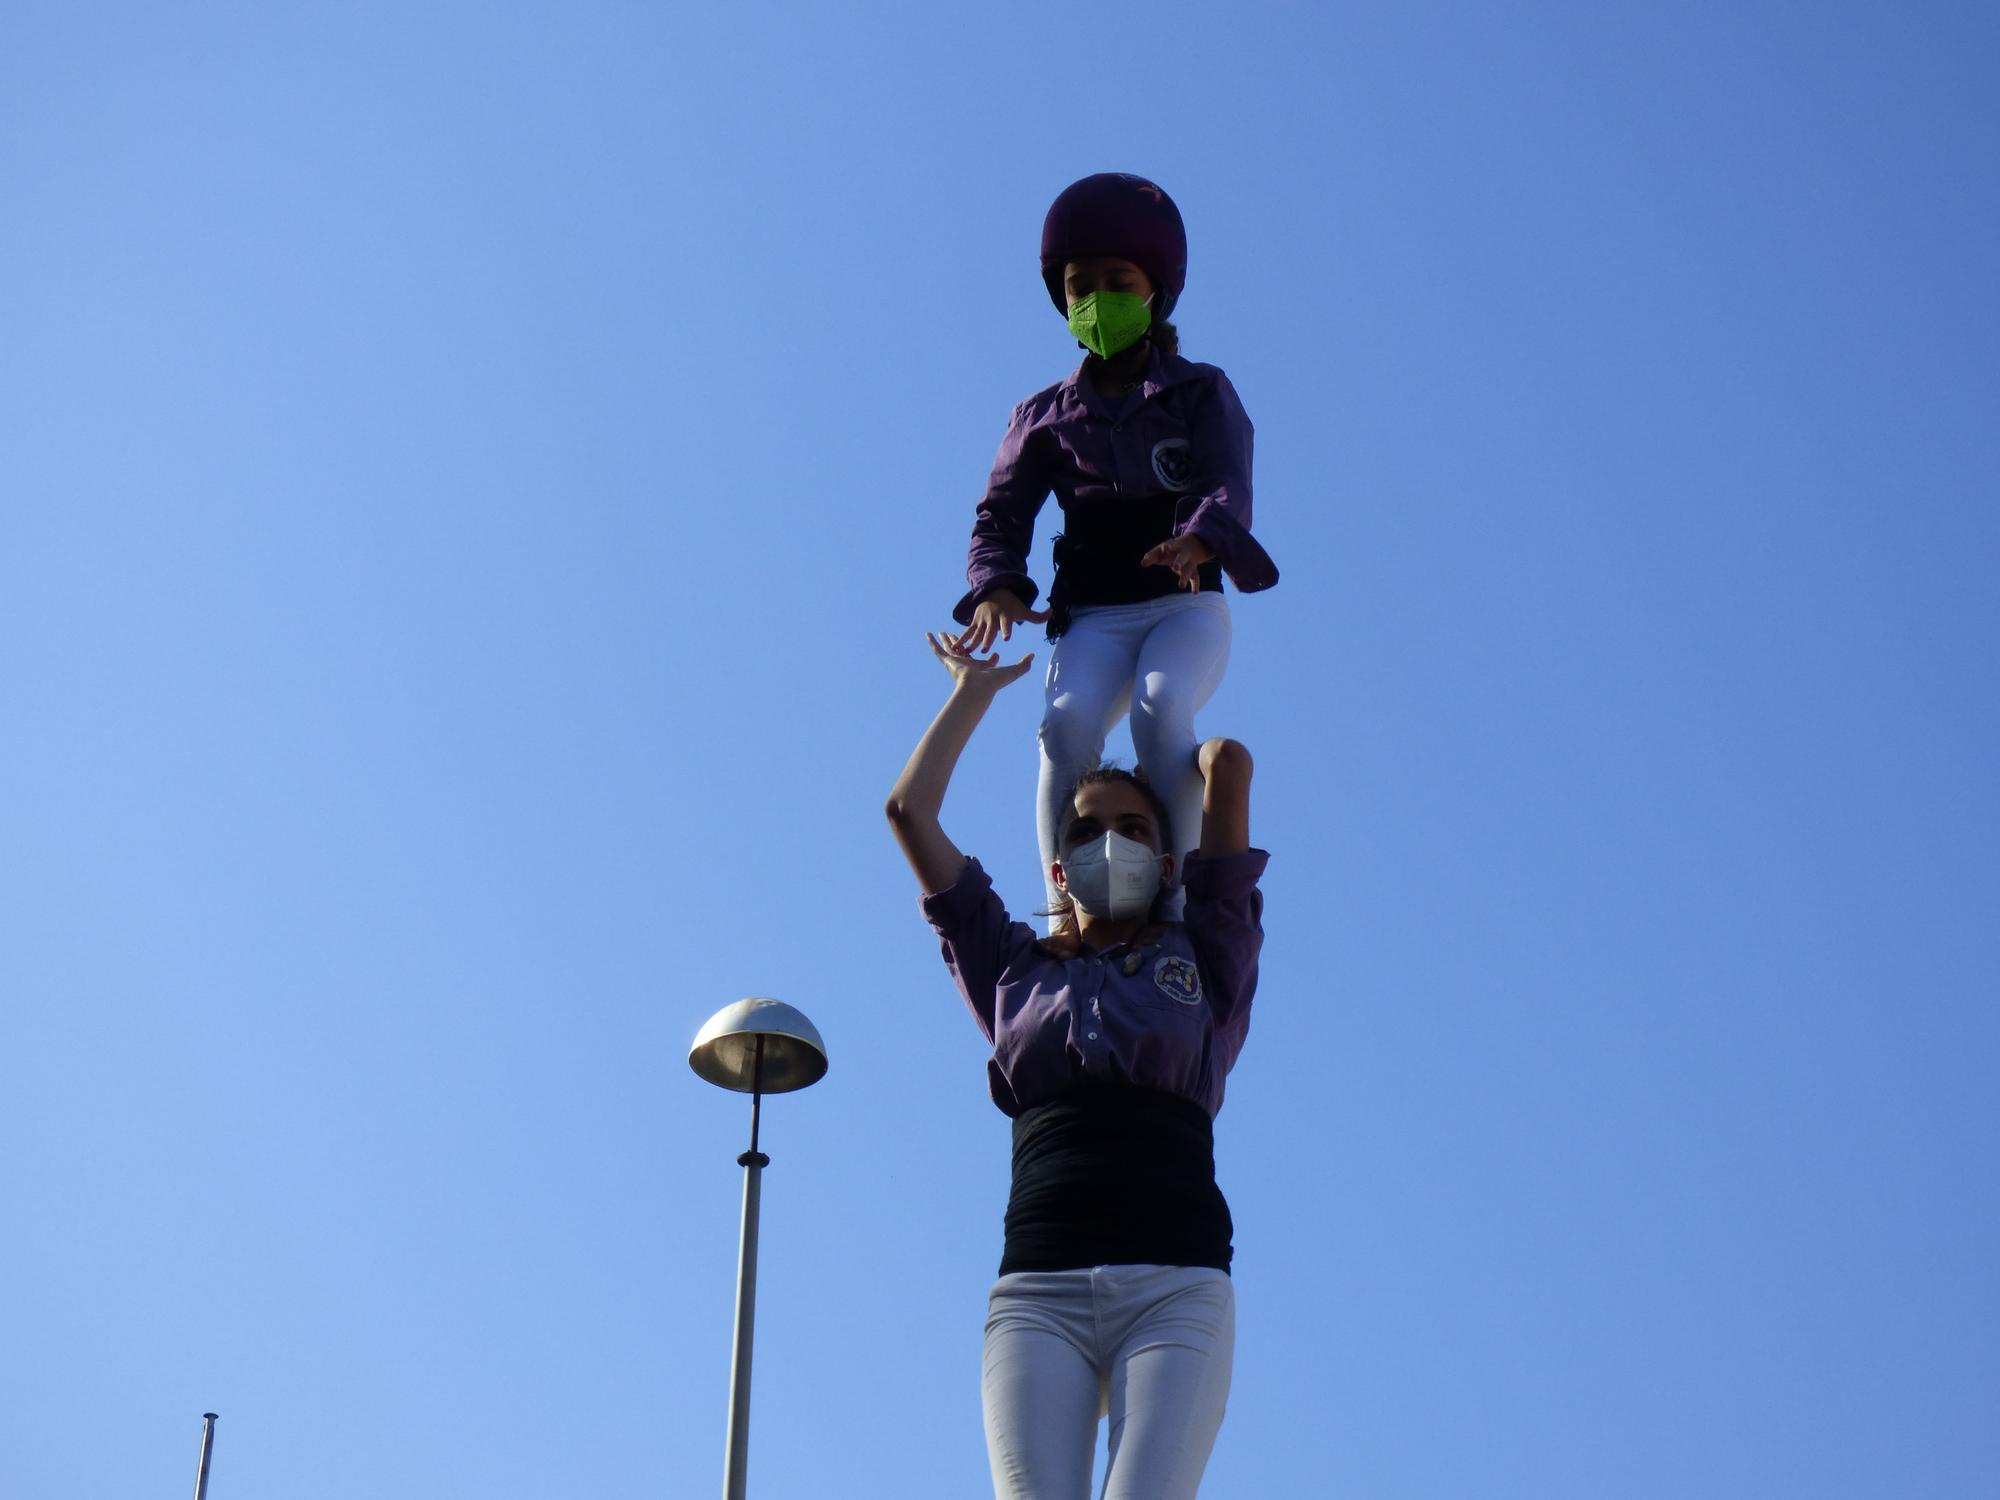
{"x":207,"y":1448}
{"x":736,"y":1458}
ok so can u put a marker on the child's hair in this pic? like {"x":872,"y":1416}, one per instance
{"x":1062,"y":941}
{"x":1166,"y":338}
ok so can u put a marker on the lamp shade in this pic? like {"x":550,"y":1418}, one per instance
{"x":725,"y":1049}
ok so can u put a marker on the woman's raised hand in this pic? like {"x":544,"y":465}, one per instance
{"x":994,"y":618}
{"x":918,"y":796}
{"x":983,"y":673}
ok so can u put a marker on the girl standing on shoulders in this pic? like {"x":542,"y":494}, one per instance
{"x":1111,"y":1045}
{"x":1148,"y":455}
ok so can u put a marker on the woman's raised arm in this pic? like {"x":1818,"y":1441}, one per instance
{"x":918,"y":796}
{"x":1225,"y":796}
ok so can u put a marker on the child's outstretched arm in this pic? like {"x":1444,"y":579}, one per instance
{"x":1225,"y":796}
{"x":1220,"y":522}
{"x":999,"y":593}
{"x":918,"y":796}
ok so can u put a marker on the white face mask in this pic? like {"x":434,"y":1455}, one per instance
{"x":1112,"y":877}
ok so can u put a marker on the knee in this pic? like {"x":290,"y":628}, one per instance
{"x":1069,"y":738}
{"x":1162,"y":727}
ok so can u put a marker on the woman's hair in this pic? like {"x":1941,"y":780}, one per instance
{"x":1166,"y":338}
{"x":1062,"y":941}
{"x":1110,"y":775}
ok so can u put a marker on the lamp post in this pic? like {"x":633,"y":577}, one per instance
{"x":756,"y":1047}
{"x":207,"y":1449}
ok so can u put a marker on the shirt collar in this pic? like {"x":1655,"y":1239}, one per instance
{"x":1162,"y":372}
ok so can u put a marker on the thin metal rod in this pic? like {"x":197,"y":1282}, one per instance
{"x":736,"y":1457}
{"x":207,"y":1448}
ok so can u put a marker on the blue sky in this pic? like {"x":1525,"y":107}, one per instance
{"x":475,"y":480}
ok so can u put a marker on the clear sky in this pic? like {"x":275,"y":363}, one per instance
{"x":472,"y":483}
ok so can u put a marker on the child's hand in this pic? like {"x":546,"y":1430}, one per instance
{"x":1184,"y":554}
{"x":979,"y":673}
{"x":994,"y":619}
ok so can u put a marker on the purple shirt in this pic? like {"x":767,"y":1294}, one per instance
{"x":1187,"y":435}
{"x":1170,"y":1014}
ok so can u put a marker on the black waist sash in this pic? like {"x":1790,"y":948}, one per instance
{"x":1110,"y":1175}
{"x":1097,"y":555}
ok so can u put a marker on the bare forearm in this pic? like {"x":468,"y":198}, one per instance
{"x":919,"y":791}
{"x":918,"y":796}
{"x":1225,"y":797}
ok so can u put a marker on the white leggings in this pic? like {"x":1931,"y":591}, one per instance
{"x":1152,"y":1346}
{"x":1161,"y":658}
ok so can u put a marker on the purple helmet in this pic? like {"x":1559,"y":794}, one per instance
{"x":1115,"y":213}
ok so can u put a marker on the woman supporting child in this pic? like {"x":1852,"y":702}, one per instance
{"x":1111,"y":1044}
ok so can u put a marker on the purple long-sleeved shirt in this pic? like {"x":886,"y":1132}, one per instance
{"x":1171,"y":1014}
{"x":1186,"y":435}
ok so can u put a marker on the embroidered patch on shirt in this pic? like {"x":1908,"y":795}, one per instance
{"x":1178,"y":978}
{"x":1173,"y":463}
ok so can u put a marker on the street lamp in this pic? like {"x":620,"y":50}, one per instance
{"x":207,"y":1448}
{"x":756,"y":1047}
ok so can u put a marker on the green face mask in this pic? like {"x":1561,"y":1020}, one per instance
{"x":1107,"y":322}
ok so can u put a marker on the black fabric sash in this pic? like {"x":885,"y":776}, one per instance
{"x":1109,"y":1175}
{"x":1097,"y":556}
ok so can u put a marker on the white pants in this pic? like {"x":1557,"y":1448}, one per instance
{"x":1161,"y":658}
{"x":1151,"y":1346}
